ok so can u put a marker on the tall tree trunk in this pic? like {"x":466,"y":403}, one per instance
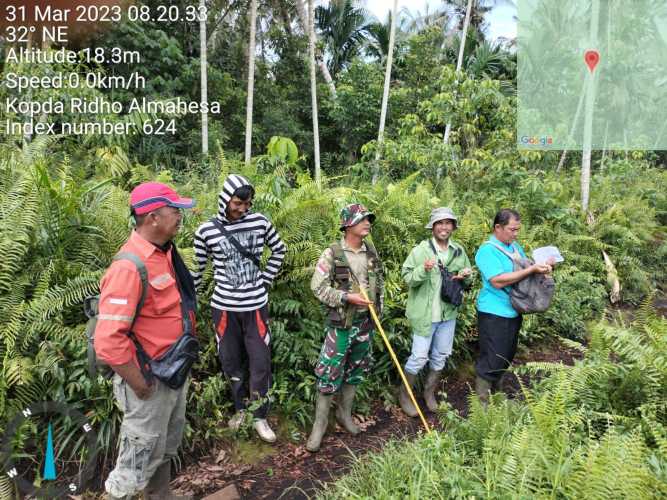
{"x":313,"y":91}
{"x":251,"y":81}
{"x":459,"y":65}
{"x":459,"y":61}
{"x":281,"y":7}
{"x":385,"y":94}
{"x":588,"y":119}
{"x":308,"y":26}
{"x":573,"y":128}
{"x":204,"y":78}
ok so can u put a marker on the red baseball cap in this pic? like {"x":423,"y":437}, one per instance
{"x":150,"y":196}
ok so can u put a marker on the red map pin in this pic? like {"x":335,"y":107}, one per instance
{"x":592,"y":58}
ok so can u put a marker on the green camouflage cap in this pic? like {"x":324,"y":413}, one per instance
{"x":353,"y":214}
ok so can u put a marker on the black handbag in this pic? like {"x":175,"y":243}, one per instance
{"x":451,"y":290}
{"x":173,"y":367}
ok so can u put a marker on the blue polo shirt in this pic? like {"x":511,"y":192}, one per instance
{"x":491,"y":262}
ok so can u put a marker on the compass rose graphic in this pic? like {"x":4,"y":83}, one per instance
{"x":37,"y":451}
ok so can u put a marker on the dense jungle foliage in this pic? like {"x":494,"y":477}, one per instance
{"x":64,"y":213}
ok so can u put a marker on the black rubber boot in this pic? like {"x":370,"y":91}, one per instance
{"x":497,"y":386}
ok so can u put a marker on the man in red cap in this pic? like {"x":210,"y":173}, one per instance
{"x":153,"y":412}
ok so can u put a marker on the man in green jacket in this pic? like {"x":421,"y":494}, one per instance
{"x":432,"y":320}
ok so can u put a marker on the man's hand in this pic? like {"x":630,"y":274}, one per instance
{"x":541,"y":268}
{"x":429,"y":264}
{"x":145,"y":391}
{"x":135,"y":379}
{"x":463,"y":274}
{"x":357,"y":299}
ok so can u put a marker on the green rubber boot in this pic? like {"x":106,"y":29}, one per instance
{"x":483,"y":389}
{"x":430,"y":386}
{"x":321,"y":422}
{"x":158,"y":486}
{"x":404,"y":398}
{"x":344,"y":410}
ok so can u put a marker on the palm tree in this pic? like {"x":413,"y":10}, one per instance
{"x":377,"y":41}
{"x":305,"y":23}
{"x":490,"y":60}
{"x":479,"y":9}
{"x":251,"y":81}
{"x":378,"y":34}
{"x":313,"y":92}
{"x":343,"y":27}
{"x":419,"y":21}
{"x":452,"y":17}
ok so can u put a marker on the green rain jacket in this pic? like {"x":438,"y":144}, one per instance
{"x":423,"y":286}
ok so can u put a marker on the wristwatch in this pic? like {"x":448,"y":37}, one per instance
{"x":343,"y":298}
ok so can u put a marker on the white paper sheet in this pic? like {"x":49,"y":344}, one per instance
{"x":542,"y":254}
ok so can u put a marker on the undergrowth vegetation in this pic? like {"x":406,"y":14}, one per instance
{"x":59,"y":230}
{"x":595,"y":430}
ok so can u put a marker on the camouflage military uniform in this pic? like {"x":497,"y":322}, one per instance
{"x":346,"y":352}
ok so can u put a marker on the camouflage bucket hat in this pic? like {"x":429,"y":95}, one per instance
{"x":353,"y":214}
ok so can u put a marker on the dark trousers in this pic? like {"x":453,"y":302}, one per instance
{"x":243,"y":346}
{"x":498,"y":339}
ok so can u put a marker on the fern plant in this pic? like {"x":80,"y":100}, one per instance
{"x":576,"y":434}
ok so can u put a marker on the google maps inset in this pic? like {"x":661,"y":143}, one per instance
{"x":592,"y":74}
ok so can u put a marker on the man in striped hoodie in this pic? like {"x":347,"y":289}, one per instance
{"x":235,"y":239}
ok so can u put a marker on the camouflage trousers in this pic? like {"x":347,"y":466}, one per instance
{"x":345,"y":356}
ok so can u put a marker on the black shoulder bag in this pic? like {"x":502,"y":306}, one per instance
{"x":173,"y":367}
{"x":451,"y":290}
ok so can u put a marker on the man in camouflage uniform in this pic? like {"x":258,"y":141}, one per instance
{"x":345,"y":358}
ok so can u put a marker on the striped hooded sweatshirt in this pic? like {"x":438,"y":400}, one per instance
{"x":239,"y":284}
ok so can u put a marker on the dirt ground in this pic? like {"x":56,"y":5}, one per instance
{"x":289,"y":471}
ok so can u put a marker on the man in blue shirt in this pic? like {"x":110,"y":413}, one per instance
{"x":497,"y":321}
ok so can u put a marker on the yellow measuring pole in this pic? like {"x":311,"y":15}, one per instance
{"x":374,"y":315}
